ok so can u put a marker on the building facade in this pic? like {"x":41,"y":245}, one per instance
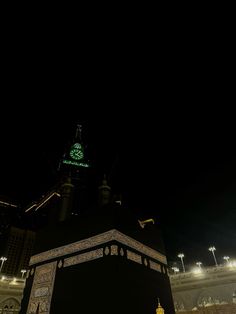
{"x":11,"y":292}
{"x":18,"y":248}
{"x":205,"y":288}
{"x":213,"y":295}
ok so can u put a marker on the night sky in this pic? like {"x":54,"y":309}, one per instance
{"x":177,"y":165}
{"x":158,"y":117}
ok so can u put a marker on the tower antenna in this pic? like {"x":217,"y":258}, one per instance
{"x":78,"y":131}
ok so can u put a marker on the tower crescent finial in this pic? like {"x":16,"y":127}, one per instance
{"x":159,"y":309}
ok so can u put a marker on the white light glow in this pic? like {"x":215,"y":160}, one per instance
{"x":212,"y":249}
{"x":181,"y":256}
{"x":199,"y":264}
{"x":175,"y":269}
{"x":197,"y":270}
{"x":232,"y":264}
{"x":226,"y":258}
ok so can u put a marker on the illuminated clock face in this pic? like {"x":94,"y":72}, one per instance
{"x":76,"y":152}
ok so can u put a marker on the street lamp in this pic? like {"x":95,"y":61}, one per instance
{"x":226,"y":258}
{"x":175,"y":269}
{"x":212,"y":249}
{"x":199,"y":264}
{"x":3,"y":260}
{"x":181,"y":256}
{"x":23,"y":271}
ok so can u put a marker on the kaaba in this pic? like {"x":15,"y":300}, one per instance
{"x":103,"y":260}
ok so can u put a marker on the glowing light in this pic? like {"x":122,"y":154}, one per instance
{"x":75,"y":163}
{"x":181,"y":256}
{"x":142,"y":223}
{"x":47,"y":199}
{"x":28,"y":209}
{"x":160,"y":309}
{"x":76,"y":152}
{"x":232,"y":264}
{"x":212,"y":249}
{"x":8,"y":204}
{"x":175,"y":269}
{"x":3,"y":260}
{"x":23,"y":271}
{"x":199,"y":264}
{"x":226,"y":258}
{"x":197,"y":270}
{"x":40,"y":204}
{"x":77,"y":146}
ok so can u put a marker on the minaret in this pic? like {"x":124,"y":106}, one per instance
{"x":159,"y":309}
{"x":104,"y":196}
{"x":66,"y":199}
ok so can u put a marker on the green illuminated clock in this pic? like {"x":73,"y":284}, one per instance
{"x":77,"y":152}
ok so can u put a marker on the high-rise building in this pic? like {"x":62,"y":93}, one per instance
{"x":9,"y":213}
{"x":98,"y":258}
{"x":16,"y":240}
{"x":18,"y":248}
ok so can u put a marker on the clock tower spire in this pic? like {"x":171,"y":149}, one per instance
{"x":73,"y":166}
{"x":75,"y":158}
{"x":78,"y":132}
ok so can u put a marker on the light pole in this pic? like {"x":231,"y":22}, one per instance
{"x":181,"y":256}
{"x":226,"y":258}
{"x":212,"y":249}
{"x":3,"y":260}
{"x":23,"y":271}
{"x":199,"y":264}
{"x":175,"y":269}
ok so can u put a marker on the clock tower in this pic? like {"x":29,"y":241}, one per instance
{"x":74,"y":170}
{"x":75,"y":158}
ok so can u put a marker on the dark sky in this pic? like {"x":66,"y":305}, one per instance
{"x":177,"y":165}
{"x":158,"y":111}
